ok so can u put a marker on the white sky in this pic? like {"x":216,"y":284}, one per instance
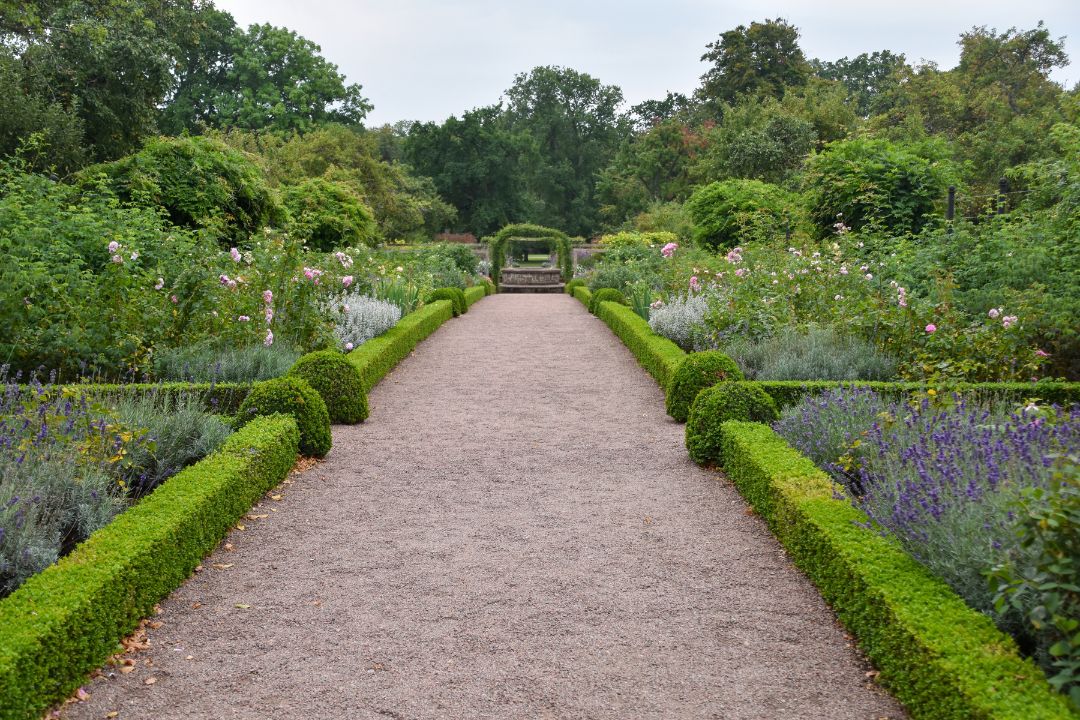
{"x":429,"y":59}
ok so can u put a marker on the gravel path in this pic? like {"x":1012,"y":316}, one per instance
{"x":516,"y":532}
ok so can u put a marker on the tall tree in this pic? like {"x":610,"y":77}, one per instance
{"x":575,"y":127}
{"x":868,"y":77}
{"x":476,"y":165}
{"x":277,"y":80}
{"x":764,"y":58}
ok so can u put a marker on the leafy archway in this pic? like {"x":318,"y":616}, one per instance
{"x":526,"y":231}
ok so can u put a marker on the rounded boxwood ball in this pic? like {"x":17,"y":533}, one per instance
{"x":718,"y":404}
{"x":291,"y":395}
{"x":456,"y":296}
{"x":338,"y":383}
{"x":698,"y":371}
{"x":605,"y":295}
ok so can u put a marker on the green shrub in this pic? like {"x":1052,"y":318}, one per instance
{"x":716,"y":405}
{"x":637,"y":239}
{"x":698,"y":371}
{"x":583,"y":295}
{"x":455,"y":295}
{"x":200,"y":183}
{"x":575,"y":283}
{"x":489,"y":287}
{"x":67,"y":620}
{"x":291,"y":395}
{"x":338,"y":383}
{"x":327,"y":215}
{"x":724,"y":211}
{"x":865,"y":181}
{"x":1040,"y":579}
{"x":605,"y":295}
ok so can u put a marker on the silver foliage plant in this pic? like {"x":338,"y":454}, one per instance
{"x":359,"y":317}
{"x":682,"y":320}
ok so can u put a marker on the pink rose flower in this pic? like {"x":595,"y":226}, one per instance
{"x":235,"y":254}
{"x":931,"y":328}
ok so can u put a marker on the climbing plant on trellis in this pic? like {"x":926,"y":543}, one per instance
{"x":526,"y":231}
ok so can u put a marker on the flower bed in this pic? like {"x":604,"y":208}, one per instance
{"x":63,"y":622}
{"x":938,"y":656}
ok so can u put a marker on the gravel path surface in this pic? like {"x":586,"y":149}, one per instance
{"x":516,"y":532}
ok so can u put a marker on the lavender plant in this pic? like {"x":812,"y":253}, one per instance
{"x":358,"y":318}
{"x":942,"y":479}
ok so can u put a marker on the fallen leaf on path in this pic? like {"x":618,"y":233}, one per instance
{"x":222,"y":566}
{"x":155,"y":624}
{"x":241,"y":526}
{"x":150,"y":681}
{"x":127,"y":669}
{"x":277,"y":497}
{"x":256,"y":517}
{"x":242,"y":606}
{"x":112,"y":714}
{"x":229,"y":547}
{"x":82,"y":695}
{"x":198,"y":568}
{"x":190,"y":657}
{"x":196,"y":605}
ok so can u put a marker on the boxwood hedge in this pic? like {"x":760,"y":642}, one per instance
{"x":696,"y":372}
{"x":942,"y":659}
{"x":291,"y":395}
{"x":379,"y":355}
{"x":337,"y":381}
{"x":65,"y":621}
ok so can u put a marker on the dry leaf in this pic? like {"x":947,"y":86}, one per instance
{"x":198,"y":568}
{"x":196,"y":605}
{"x":222,"y":566}
{"x":150,"y":681}
{"x":127,"y":669}
{"x":242,"y":606}
{"x":256,"y":517}
{"x":241,"y":526}
{"x":82,"y":695}
{"x":229,"y":546}
{"x":155,"y":624}
{"x":190,"y":657}
{"x":277,"y":497}
{"x":113,"y":714}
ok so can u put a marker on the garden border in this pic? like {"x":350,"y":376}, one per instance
{"x":941,"y":658}
{"x":65,"y":621}
{"x":379,"y":355}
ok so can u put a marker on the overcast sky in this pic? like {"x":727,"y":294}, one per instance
{"x":429,"y":59}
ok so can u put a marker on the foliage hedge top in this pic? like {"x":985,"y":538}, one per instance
{"x":475,"y":294}
{"x":717,"y":404}
{"x":456,"y":296}
{"x":338,"y":383}
{"x":940,"y":658}
{"x":1065,"y":394}
{"x":65,"y":621}
{"x":527,"y":231}
{"x":605,"y":295}
{"x":698,"y":371}
{"x":291,"y":395}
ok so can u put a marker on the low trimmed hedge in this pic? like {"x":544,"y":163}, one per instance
{"x":572,"y":285}
{"x":696,"y":372}
{"x":455,"y":295}
{"x":379,"y":355}
{"x":606,"y":295}
{"x":790,"y":392}
{"x":583,"y":294}
{"x":715,"y":406}
{"x":942,"y":659}
{"x":659,"y":356}
{"x":65,"y":621}
{"x":291,"y":395}
{"x":475,"y":294}
{"x":338,"y":383}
